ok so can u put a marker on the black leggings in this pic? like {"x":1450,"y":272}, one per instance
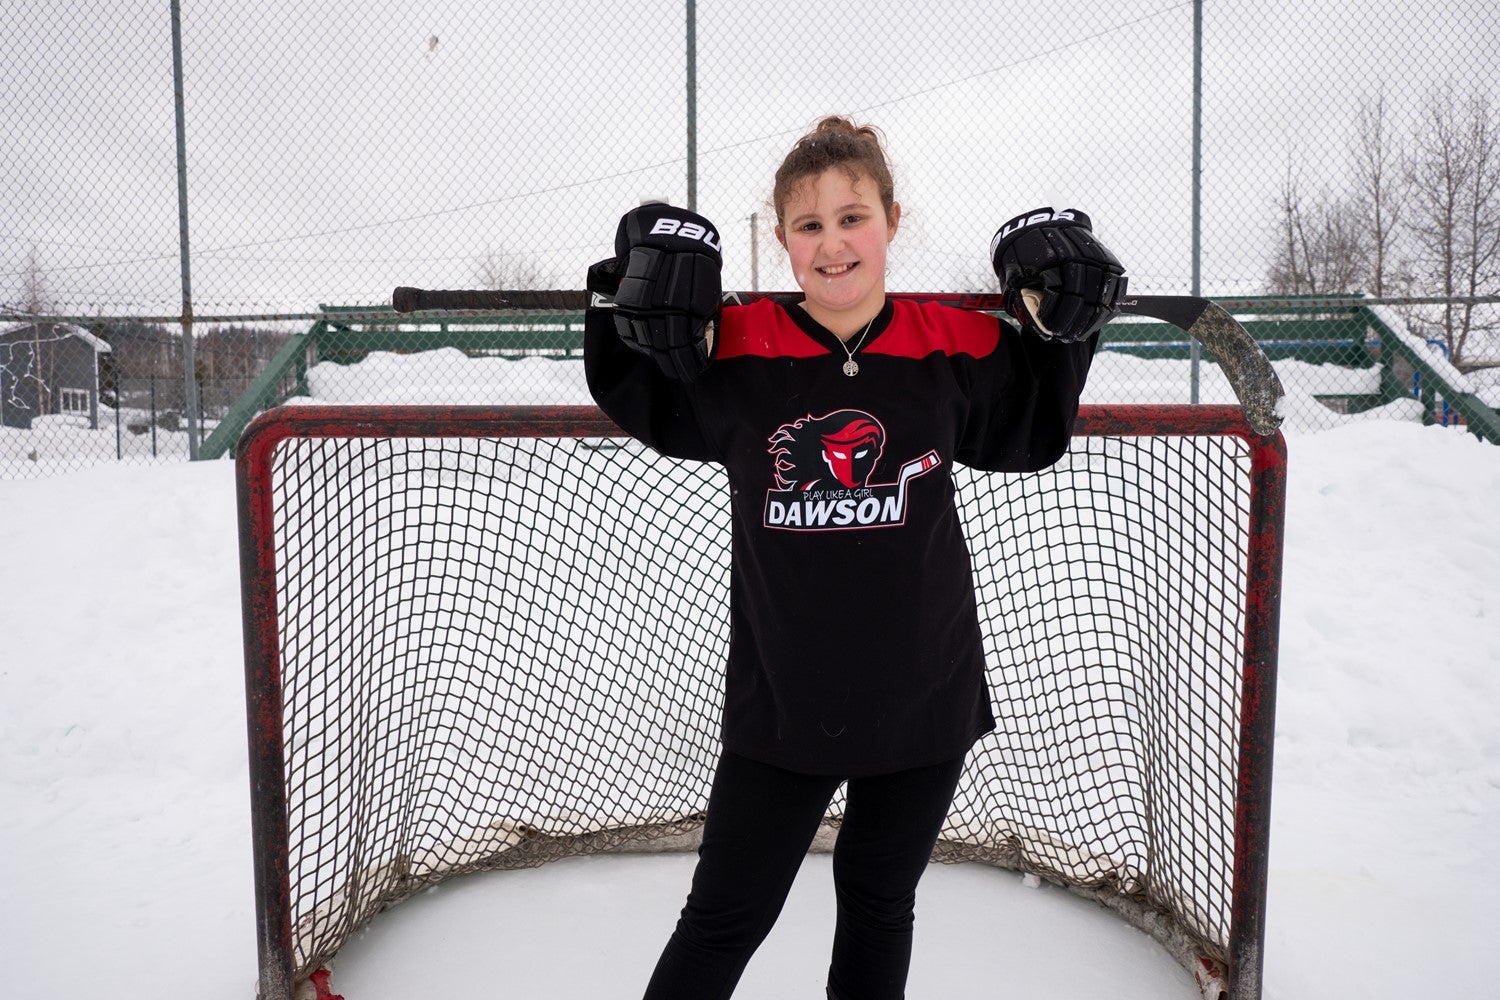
{"x":760,"y":822}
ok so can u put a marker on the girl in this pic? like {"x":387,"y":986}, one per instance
{"x":855,"y":651}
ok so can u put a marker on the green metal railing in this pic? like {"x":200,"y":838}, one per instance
{"x":1320,"y":330}
{"x":347,"y":335}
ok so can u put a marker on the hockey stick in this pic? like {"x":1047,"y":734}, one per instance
{"x":910,"y":471}
{"x":1244,"y":364}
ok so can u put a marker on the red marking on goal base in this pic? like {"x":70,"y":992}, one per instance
{"x":1209,"y":975}
{"x":320,"y":984}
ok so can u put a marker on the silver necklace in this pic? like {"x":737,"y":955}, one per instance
{"x":851,"y":367}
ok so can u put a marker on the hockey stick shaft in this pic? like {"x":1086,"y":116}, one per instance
{"x":1244,"y":364}
{"x":1179,"y":310}
{"x":912,"y":470}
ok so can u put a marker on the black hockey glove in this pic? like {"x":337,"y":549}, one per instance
{"x":1060,"y":282}
{"x":666,"y":285}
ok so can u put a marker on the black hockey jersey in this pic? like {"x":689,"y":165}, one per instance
{"x":855,"y":646}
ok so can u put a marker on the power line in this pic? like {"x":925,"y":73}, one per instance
{"x":573,"y":185}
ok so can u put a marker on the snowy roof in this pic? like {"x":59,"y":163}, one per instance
{"x":100,"y":346}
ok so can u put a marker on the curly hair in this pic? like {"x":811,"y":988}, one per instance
{"x":835,"y":142}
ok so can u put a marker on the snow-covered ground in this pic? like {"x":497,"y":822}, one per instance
{"x":124,"y":825}
{"x":65,"y":442}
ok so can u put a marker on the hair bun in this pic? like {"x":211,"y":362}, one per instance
{"x":836,"y":142}
{"x":842,"y":125}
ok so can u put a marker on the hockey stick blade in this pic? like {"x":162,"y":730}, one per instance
{"x":1244,"y":364}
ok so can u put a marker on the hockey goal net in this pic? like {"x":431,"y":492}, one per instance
{"x":482,"y":638}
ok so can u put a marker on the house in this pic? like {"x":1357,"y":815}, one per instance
{"x":46,"y":369}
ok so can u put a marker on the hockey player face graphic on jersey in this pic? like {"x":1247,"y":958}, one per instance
{"x":851,"y":451}
{"x":835,"y":233}
{"x":841,"y":447}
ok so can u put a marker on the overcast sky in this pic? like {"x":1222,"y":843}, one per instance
{"x":334,"y":153}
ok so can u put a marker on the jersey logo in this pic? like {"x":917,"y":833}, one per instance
{"x":822,"y":471}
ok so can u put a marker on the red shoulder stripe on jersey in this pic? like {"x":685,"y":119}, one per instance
{"x":921,"y":328}
{"x":763,"y":330}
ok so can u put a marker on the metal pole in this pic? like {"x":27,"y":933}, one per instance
{"x":1257,"y":738}
{"x":692,"y":106}
{"x":189,"y":379}
{"x":1195,"y":352}
{"x":755,"y":251}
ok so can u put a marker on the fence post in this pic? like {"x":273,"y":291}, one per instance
{"x":189,"y":375}
{"x":1195,"y":352}
{"x":692,"y":105}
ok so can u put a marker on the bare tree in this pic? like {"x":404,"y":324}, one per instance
{"x":1382,"y":183}
{"x":35,"y":299}
{"x":1479,"y":233}
{"x":1322,"y":247}
{"x":228,"y":358}
{"x":35,"y":366}
{"x":1455,"y":221}
{"x":499,"y":269}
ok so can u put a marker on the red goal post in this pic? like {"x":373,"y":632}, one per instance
{"x":450,"y":665}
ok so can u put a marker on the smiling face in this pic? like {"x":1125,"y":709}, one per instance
{"x":835,"y":231}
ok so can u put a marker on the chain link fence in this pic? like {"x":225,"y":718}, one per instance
{"x":1275,"y":153}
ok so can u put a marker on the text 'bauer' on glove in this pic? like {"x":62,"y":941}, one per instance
{"x":1060,"y":281}
{"x":667,"y":264}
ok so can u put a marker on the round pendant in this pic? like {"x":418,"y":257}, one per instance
{"x":851,"y":368}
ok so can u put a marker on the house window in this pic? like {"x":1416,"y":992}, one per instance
{"x":75,"y":400}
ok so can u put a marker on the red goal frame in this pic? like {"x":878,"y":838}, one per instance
{"x":1241,"y":980}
